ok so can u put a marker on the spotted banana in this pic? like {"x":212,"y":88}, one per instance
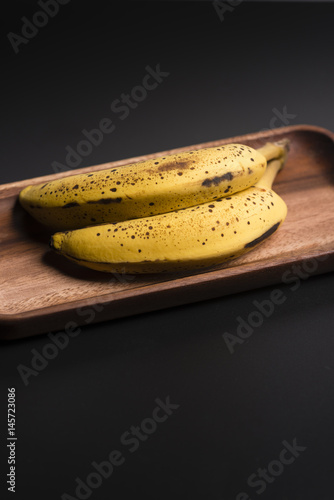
{"x":147,"y":188}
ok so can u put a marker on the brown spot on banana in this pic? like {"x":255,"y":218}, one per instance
{"x":218,"y":179}
{"x":172,"y":165}
{"x":105,"y":201}
{"x":263,"y":236}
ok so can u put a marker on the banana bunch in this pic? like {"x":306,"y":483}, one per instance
{"x":147,"y":188}
{"x":181,"y":211}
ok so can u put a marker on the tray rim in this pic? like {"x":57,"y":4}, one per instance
{"x":14,"y":320}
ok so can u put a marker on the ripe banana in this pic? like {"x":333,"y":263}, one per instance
{"x":147,"y":188}
{"x":190,"y":238}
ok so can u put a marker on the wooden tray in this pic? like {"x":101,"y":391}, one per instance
{"x":41,"y":291}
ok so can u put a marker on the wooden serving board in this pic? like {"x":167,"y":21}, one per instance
{"x":41,"y":291}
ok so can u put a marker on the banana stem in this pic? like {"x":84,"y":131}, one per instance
{"x":273,"y":150}
{"x":273,"y":167}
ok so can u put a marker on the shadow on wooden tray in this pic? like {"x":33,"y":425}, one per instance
{"x":78,"y":272}
{"x":26,"y":227}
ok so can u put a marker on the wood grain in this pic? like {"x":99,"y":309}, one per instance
{"x":41,"y":291}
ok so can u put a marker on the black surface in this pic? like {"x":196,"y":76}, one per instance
{"x":236,"y":411}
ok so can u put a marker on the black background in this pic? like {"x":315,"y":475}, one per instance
{"x":225,"y":78}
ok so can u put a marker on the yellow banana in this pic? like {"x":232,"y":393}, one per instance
{"x":189,"y":238}
{"x":147,"y":188}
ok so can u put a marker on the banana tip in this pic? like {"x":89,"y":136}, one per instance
{"x":23,"y":193}
{"x":284,"y":143}
{"x":56,"y":241}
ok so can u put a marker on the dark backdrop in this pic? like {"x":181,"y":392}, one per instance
{"x":249,"y":67}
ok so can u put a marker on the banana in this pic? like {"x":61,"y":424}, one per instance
{"x":190,"y":238}
{"x":147,"y":188}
